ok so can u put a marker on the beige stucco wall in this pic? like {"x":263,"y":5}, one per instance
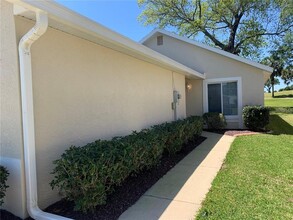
{"x":11,"y":145}
{"x":194,"y":98}
{"x":214,"y":66}
{"x":11,"y":130}
{"x":179,"y":85}
{"x":83,"y":92}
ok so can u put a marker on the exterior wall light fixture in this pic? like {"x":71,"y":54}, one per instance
{"x":188,"y":86}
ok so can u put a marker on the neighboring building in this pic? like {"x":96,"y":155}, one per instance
{"x":230,"y":83}
{"x":81,"y":81}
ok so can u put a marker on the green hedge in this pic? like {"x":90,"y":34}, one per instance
{"x":256,"y":117}
{"x":87,"y":174}
{"x":287,"y":110}
{"x":214,"y":120}
{"x":3,"y":178}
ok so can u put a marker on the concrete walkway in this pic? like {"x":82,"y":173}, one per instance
{"x":178,"y":194}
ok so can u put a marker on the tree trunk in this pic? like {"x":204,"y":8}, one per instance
{"x":273,"y":82}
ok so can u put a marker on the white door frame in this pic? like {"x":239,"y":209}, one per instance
{"x":237,"y":118}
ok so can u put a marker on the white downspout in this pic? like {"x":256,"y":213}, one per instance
{"x":28,"y":117}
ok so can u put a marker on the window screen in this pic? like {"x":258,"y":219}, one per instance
{"x":230,"y":100}
{"x":214,"y":98}
{"x":225,"y":92}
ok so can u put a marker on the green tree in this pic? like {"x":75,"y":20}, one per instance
{"x":285,"y":51}
{"x":268,"y":84}
{"x":281,"y":60}
{"x":240,"y":27}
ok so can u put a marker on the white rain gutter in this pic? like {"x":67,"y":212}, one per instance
{"x":28,"y":117}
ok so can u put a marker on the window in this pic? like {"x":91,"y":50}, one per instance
{"x":223,"y":98}
{"x":159,"y":40}
{"x":224,"y":95}
{"x":230,"y":100}
{"x":214,"y":98}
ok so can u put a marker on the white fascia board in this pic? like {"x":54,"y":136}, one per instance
{"x":152,"y":33}
{"x":268,"y":69}
{"x":93,"y":29}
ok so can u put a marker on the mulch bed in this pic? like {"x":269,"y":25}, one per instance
{"x":129,"y":192}
{"x":240,"y":132}
{"x":5,"y":215}
{"x":234,"y":132}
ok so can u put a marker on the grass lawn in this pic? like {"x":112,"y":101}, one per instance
{"x":256,"y":180}
{"x":282,"y":99}
{"x":281,"y":124}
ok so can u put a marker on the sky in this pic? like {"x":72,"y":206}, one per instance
{"x":118,"y":15}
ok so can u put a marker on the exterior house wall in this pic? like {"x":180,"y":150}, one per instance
{"x":84,"y":91}
{"x":11,"y":145}
{"x":213,"y":66}
{"x":194,"y":97}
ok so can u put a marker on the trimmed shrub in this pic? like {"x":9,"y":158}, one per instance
{"x":86,"y":175}
{"x":256,"y":117}
{"x":214,"y":120}
{"x":174,"y":134}
{"x":3,"y":178}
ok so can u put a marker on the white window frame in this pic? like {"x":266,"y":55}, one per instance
{"x":230,"y":118}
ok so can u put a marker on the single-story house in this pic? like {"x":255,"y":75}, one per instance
{"x":66,"y":80}
{"x":230,"y":82}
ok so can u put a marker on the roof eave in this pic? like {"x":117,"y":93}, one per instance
{"x":65,"y":16}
